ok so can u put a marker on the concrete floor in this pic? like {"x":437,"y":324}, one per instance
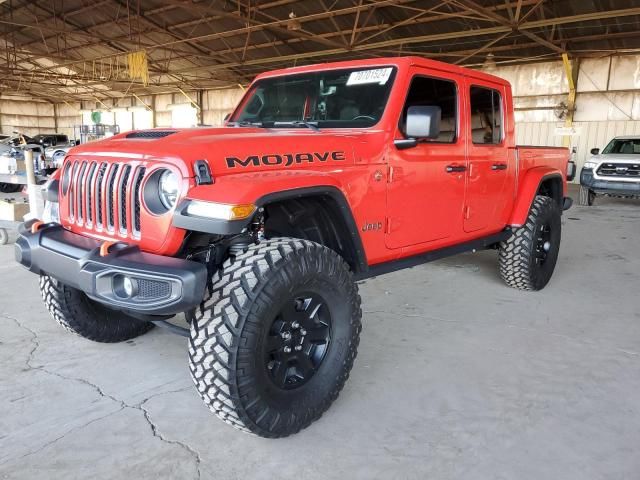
{"x":458,"y":376}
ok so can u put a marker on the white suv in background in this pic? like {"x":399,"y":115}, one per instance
{"x":615,"y":172}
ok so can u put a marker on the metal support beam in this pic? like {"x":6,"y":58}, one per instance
{"x":571,"y":71}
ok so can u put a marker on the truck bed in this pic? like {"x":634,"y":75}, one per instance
{"x":551,"y":157}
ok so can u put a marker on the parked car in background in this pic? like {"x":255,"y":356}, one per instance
{"x":12,"y":151}
{"x":56,"y":146}
{"x":51,"y":139}
{"x":12,"y":141}
{"x":614,"y":172}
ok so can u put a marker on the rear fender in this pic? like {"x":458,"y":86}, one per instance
{"x":528,"y":188}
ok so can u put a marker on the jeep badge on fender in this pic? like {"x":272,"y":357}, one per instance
{"x":258,"y":232}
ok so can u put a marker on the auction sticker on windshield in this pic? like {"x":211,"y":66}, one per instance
{"x":379,"y":76}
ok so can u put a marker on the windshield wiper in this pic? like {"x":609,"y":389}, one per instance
{"x":298,"y":123}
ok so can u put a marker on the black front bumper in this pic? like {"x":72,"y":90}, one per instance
{"x":161,"y":285}
{"x":610,"y":187}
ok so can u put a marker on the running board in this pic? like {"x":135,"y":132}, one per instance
{"x":409,"y":262}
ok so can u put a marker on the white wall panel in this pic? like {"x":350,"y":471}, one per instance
{"x":218,"y":103}
{"x":625,"y":73}
{"x":594,"y":74}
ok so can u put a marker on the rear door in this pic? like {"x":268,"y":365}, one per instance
{"x":491,"y":169}
{"x":425,"y":194}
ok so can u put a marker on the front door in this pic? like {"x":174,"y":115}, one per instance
{"x":425,"y":195}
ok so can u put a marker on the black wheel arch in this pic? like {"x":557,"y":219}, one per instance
{"x":332,"y":223}
{"x":551,"y":186}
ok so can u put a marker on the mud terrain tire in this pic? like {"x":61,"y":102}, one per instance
{"x":240,"y":335}
{"x":79,"y":314}
{"x":528,"y":257}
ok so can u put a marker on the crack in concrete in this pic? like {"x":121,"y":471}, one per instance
{"x":156,"y":433}
{"x":55,"y":440}
{"x":138,"y":406}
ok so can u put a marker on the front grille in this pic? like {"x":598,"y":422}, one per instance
{"x":620,"y":170}
{"x":136,"y":205}
{"x":105,"y":196}
{"x":99,"y":190}
{"x":122,"y":191}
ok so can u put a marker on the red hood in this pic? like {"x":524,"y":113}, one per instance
{"x":232,"y":150}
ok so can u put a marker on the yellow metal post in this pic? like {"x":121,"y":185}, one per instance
{"x":571,"y":74}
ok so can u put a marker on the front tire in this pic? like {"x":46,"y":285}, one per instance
{"x":77,"y":313}
{"x":586,"y":196}
{"x":273,"y":343}
{"x":528,"y":257}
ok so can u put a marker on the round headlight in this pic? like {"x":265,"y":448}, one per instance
{"x":168,"y":187}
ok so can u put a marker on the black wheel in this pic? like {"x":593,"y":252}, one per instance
{"x":528,"y":257}
{"x":79,"y":314}
{"x":586,"y":196}
{"x":4,"y":236}
{"x":274,"y":341}
{"x":10,"y":188}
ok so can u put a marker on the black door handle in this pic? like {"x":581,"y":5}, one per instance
{"x":455,"y":168}
{"x":499,"y":166}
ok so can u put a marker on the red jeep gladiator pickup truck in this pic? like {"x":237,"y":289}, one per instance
{"x":259,"y":231}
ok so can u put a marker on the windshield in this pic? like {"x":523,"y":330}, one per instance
{"x":623,"y":146}
{"x":333,"y":99}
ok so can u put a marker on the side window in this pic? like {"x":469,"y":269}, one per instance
{"x":486,"y":116}
{"x":426,"y":91}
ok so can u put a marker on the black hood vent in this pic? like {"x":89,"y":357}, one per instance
{"x":151,"y":134}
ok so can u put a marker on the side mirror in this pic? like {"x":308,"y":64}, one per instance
{"x":422,"y":122}
{"x":226,"y":117}
{"x":595,"y":151}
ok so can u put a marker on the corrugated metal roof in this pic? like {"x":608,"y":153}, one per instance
{"x":77,"y":48}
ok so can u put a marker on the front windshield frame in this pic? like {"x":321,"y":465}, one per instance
{"x":611,"y":146}
{"x":239,"y":119}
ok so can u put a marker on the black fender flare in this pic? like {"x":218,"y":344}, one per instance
{"x":235,"y":227}
{"x":341,"y":202}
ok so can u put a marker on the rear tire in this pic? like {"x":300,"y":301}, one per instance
{"x":273,"y":343}
{"x":528,"y":257}
{"x":586,"y":196}
{"x":79,"y":314}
